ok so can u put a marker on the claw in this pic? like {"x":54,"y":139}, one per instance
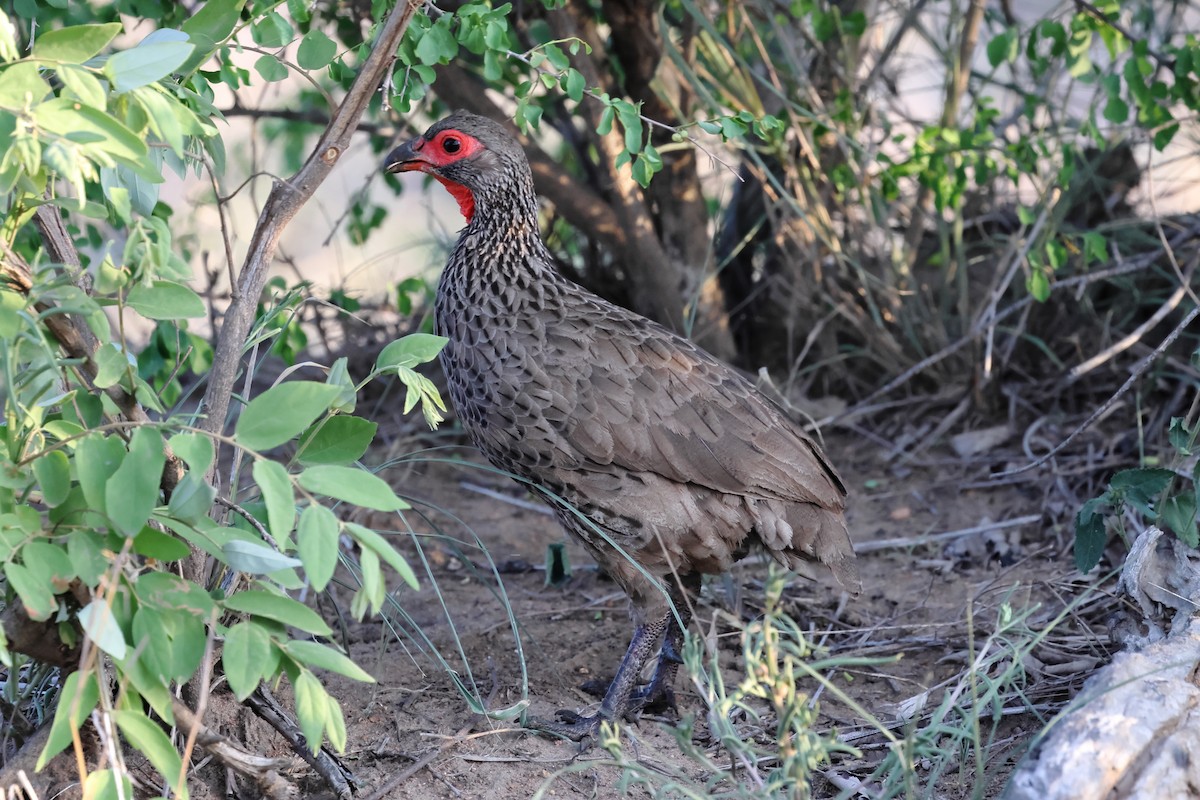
{"x":570,"y":725}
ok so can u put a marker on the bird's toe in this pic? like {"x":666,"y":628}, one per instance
{"x":569,"y":724}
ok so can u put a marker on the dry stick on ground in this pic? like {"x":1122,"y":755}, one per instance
{"x":1135,"y":336}
{"x":1137,"y":373}
{"x":264,"y":704}
{"x":263,"y":771}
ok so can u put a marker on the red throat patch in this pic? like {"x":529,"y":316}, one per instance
{"x":466,"y":200}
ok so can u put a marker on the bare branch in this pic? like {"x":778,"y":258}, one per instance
{"x":285,"y":200}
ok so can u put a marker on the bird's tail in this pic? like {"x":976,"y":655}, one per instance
{"x":820,"y":535}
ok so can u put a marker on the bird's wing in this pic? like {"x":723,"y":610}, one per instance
{"x":649,"y":401}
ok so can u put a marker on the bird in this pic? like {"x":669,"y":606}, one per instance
{"x":664,"y":462}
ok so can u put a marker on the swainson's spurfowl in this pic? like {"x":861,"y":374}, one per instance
{"x":664,"y":462}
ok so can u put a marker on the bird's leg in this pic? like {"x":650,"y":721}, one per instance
{"x":616,"y":700}
{"x":659,"y":694}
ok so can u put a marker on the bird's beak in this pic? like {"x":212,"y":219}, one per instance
{"x":407,"y":157}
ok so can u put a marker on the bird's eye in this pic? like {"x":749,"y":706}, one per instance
{"x":451,"y":144}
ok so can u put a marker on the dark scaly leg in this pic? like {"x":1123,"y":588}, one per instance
{"x":617,"y":700}
{"x":658,"y":696}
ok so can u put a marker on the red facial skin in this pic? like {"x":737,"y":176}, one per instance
{"x":433,"y":154}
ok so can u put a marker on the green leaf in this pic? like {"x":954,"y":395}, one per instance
{"x":1179,"y":516}
{"x":80,"y":123}
{"x":371,"y":593}
{"x":86,"y":552}
{"x":438,"y":44}
{"x":146,"y":64}
{"x":101,"y":626}
{"x":339,"y":440}
{"x":49,"y":564}
{"x":316,"y":50}
{"x":22,"y":85}
{"x":209,"y":26}
{"x":165,"y":300}
{"x":281,"y":412}
{"x":79,"y":695}
{"x":112,"y":364}
{"x":53,"y":472}
{"x":279,"y":608}
{"x":160,"y":546}
{"x":314,"y":654}
{"x":1003,"y":48}
{"x":1039,"y":285}
{"x":254,"y":558}
{"x":8,"y":52}
{"x":247,"y":648}
{"x":164,"y":590}
{"x":272,"y":31}
{"x":170,"y":641}
{"x":1091,"y":535}
{"x":276,"y":486}
{"x":339,"y":376}
{"x":574,"y":84}
{"x":381,"y":547}
{"x":132,"y":492}
{"x":76,"y":44}
{"x":1116,"y":110}
{"x":84,"y":85}
{"x":195,"y":449}
{"x":142,"y":195}
{"x":97,"y":457}
{"x":192,"y":498}
{"x":1141,"y":487}
{"x":317,"y":543}
{"x":311,"y":708}
{"x":35,"y":595}
{"x":1164,"y":135}
{"x":335,"y":724}
{"x":151,"y":742}
{"x":1180,"y":437}
{"x":270,"y":68}
{"x":409,"y":351}
{"x":353,"y":485}
{"x":107,"y":784}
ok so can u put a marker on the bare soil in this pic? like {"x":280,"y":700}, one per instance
{"x":412,"y":734}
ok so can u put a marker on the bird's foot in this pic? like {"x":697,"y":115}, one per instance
{"x":581,"y":728}
{"x":652,"y":699}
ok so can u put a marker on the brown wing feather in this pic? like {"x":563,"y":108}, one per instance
{"x":705,"y":459}
{"x":663,"y":406}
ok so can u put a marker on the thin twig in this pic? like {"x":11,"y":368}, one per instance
{"x":540,"y":508}
{"x":1133,"y":265}
{"x":1135,"y":336}
{"x":206,"y":665}
{"x":264,"y":704}
{"x":246,"y":515}
{"x":596,"y":94}
{"x":1163,"y":61}
{"x":1137,"y":373}
{"x":915,"y":541}
{"x":285,"y":200}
